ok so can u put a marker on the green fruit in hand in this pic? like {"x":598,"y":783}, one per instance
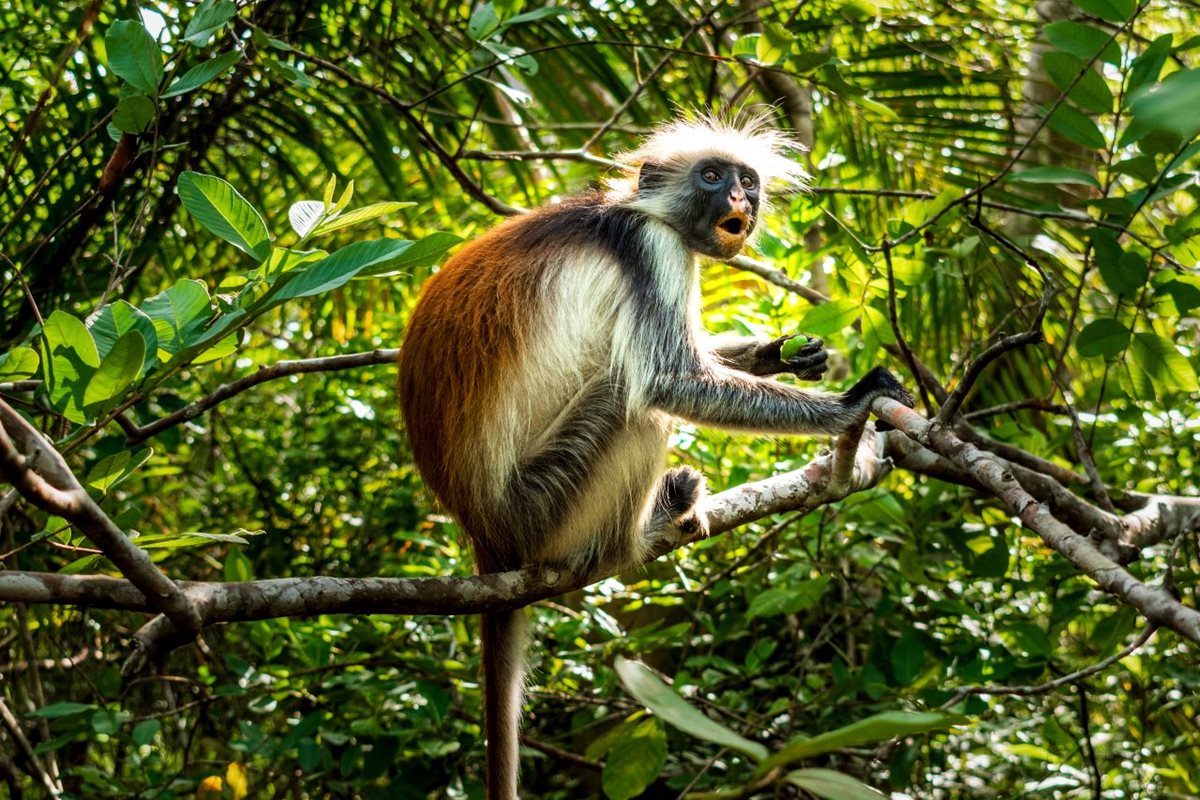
{"x":792,"y":347}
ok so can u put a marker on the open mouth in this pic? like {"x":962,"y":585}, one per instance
{"x":734,"y":223}
{"x":732,"y":230}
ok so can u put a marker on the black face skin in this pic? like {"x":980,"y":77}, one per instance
{"x":722,"y":208}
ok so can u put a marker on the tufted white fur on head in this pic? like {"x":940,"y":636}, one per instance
{"x":750,"y":140}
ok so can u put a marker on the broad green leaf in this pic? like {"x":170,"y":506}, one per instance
{"x":237,"y":566}
{"x":1172,"y":106}
{"x":1125,"y":276}
{"x":117,"y":319}
{"x":208,"y":19}
{"x":879,"y":727}
{"x":80,"y":565}
{"x":117,"y":372}
{"x":337,"y":268}
{"x":358,"y":215}
{"x":1184,"y":290}
{"x":1090,"y":92}
{"x":876,"y":325}
{"x":423,"y":253}
{"x":18,"y":364}
{"x":634,"y":761}
{"x":831,"y":785}
{"x":57,"y":710}
{"x":1104,"y":337}
{"x":283,"y":259}
{"x":828,"y":318}
{"x":908,"y":656}
{"x":113,"y":469}
{"x":107,"y":722}
{"x":746,"y":46}
{"x":133,"y":55}
{"x":134,"y":113}
{"x":643,"y":684}
{"x":201,"y":74}
{"x":144,"y":732}
{"x":1083,"y":41}
{"x":774,"y":45}
{"x":225,"y":346}
{"x":1163,"y":364}
{"x":179,"y":314}
{"x":1055,"y":176}
{"x":221,"y":210}
{"x":305,"y":215}
{"x":1077,"y":127}
{"x":534,"y":15}
{"x":1026,"y":750}
{"x":1110,"y":10}
{"x":484,"y":22}
{"x":69,"y":359}
{"x":789,"y":599}
{"x":1148,"y":65}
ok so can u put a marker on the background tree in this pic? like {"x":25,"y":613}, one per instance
{"x":215,"y":217}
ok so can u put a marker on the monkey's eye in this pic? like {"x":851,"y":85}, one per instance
{"x":711,"y":175}
{"x":748,"y":182}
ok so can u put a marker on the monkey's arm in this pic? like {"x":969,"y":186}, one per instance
{"x":722,"y":398}
{"x":764,"y":356}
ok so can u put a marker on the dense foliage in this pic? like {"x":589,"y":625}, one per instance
{"x":193,"y":191}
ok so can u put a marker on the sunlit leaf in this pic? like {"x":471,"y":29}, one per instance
{"x":133,"y":55}
{"x":217,"y":206}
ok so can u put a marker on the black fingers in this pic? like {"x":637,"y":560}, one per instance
{"x":810,"y":362}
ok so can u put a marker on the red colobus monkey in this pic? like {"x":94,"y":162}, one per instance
{"x":546,"y":362}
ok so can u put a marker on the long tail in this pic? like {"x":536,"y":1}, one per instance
{"x":504,"y":642}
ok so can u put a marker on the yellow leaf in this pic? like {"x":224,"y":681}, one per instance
{"x":210,"y":788}
{"x":238,"y":780}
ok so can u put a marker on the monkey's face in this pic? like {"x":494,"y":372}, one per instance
{"x":723,"y":207}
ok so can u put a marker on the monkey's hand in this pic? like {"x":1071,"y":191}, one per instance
{"x":808,"y":362}
{"x":878,"y":383}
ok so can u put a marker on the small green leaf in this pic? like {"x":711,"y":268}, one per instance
{"x":1110,"y":10}
{"x":1055,"y":176}
{"x":1162,"y":363}
{"x":1127,"y":275}
{"x":484,"y":22}
{"x":1184,"y":290}
{"x":18,"y":364}
{"x":69,"y":359}
{"x":223,"y":347}
{"x":746,"y":47}
{"x":201,"y":74}
{"x":1172,"y":106}
{"x":791,"y":599}
{"x":237,"y":566}
{"x":117,"y":372}
{"x":210,"y":16}
{"x":829,"y":318}
{"x":1083,"y":41}
{"x":1145,"y":68}
{"x":358,"y":215}
{"x":221,"y":210}
{"x":908,"y":657}
{"x":643,"y":684}
{"x":1104,"y":337}
{"x":117,"y":319}
{"x":336,"y":268}
{"x":133,"y":55}
{"x":831,"y":785}
{"x":113,"y":469}
{"x":1090,"y":91}
{"x":634,"y":761}
{"x":58,"y":710}
{"x":423,"y":253}
{"x":1077,"y":127}
{"x":134,"y":113}
{"x":878,"y":727}
{"x":774,"y":45}
{"x":107,"y":722}
{"x":145,"y":731}
{"x":179,"y":314}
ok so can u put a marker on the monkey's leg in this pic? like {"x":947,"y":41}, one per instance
{"x":763,"y":357}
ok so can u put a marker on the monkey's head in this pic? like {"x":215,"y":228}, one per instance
{"x":707,"y":179}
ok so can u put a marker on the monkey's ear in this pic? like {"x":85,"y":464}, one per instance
{"x":651,"y":177}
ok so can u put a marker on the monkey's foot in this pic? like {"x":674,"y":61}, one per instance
{"x":681,"y":490}
{"x":695,"y":525}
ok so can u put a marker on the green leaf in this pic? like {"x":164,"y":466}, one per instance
{"x":534,"y":15}
{"x":1162,"y":363}
{"x":305,"y":215}
{"x":1145,"y":68}
{"x":179,"y":314}
{"x":117,"y":319}
{"x":107,"y":722}
{"x":225,"y":346}
{"x":1110,"y":10}
{"x":1083,"y":41}
{"x":358,"y":215}
{"x":145,"y":731}
{"x":1090,"y":92}
{"x":746,"y":47}
{"x":1184,"y":290}
{"x":829,"y":318}
{"x":113,"y":469}
{"x":423,"y":253}
{"x":774,"y":45}
{"x":210,"y":16}
{"x":57,"y":710}
{"x":831,"y":785}
{"x":1104,"y":337}
{"x":634,"y":761}
{"x":201,"y":74}
{"x":134,"y":113}
{"x":484,"y":22}
{"x":643,"y":684}
{"x":876,"y":325}
{"x":1172,"y":106}
{"x":1054,"y":175}
{"x":1125,"y":276}
{"x":886,"y":725}
{"x":117,"y":372}
{"x":790,"y":599}
{"x":336,"y":268}
{"x":221,"y":210}
{"x":908,"y":656}
{"x":69,"y":359}
{"x":133,"y":55}
{"x":1077,"y":127}
{"x":237,"y":566}
{"x":18,"y":364}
